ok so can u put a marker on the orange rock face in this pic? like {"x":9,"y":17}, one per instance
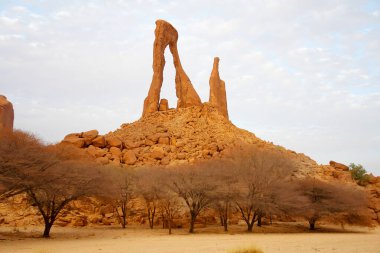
{"x":218,"y":96}
{"x":6,"y":114}
{"x":167,"y":35}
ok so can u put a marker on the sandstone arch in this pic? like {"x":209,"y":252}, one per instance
{"x":167,"y":35}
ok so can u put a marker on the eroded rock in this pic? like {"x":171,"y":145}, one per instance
{"x":167,"y":35}
{"x":218,"y":96}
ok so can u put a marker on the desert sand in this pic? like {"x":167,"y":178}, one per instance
{"x":139,"y":239}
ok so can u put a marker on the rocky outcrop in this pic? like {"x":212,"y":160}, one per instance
{"x":218,"y":96}
{"x":339,"y":166}
{"x":180,"y":136}
{"x":6,"y":114}
{"x":167,"y":35}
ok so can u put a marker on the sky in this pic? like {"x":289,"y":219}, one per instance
{"x":302,"y":74}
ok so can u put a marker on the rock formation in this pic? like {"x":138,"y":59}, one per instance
{"x":339,"y":166}
{"x":164,"y":105}
{"x":218,"y":96}
{"x":194,"y":132}
{"x":167,"y":35}
{"x":6,"y":114}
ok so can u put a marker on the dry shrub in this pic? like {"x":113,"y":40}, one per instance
{"x":251,"y":249}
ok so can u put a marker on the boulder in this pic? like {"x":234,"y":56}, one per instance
{"x":167,"y":35}
{"x":114,"y":142}
{"x":92,"y":134}
{"x":132,"y":144}
{"x":115,"y":151}
{"x":78,"y":135}
{"x":99,"y":141}
{"x":339,"y":166}
{"x":76,"y":141}
{"x":6,"y":114}
{"x":165,"y":160}
{"x":129,"y":157}
{"x":181,"y":156}
{"x":157,"y":153}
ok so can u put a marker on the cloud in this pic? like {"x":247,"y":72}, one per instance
{"x":301,"y":74}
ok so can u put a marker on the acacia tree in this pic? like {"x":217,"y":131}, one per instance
{"x":149,"y":187}
{"x":192,"y":185}
{"x":123,"y":193}
{"x":225,"y":192}
{"x":22,"y":155}
{"x":50,"y":176}
{"x":170,"y":207}
{"x":259,"y":174}
{"x":334,"y":201}
{"x":52,"y":189}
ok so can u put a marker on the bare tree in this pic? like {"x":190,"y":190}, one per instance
{"x":260,"y":173}
{"x":150,"y":187}
{"x":170,"y":207}
{"x":124,"y":192}
{"x":192,"y":184}
{"x":225,"y":193}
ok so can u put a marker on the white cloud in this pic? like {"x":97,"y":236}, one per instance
{"x":8,"y":21}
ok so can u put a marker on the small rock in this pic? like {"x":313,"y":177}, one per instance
{"x":164,"y":140}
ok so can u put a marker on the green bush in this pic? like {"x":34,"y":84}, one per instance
{"x":359,"y":174}
{"x":246,"y":250}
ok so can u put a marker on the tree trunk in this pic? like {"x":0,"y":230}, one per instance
{"x":250,"y":227}
{"x":48,"y":226}
{"x":170,"y":226}
{"x":221,"y":220}
{"x":312,"y":225}
{"x":225,"y":224}
{"x":124,"y":220}
{"x":192,"y":222}
{"x":259,"y":221}
{"x":151,"y":214}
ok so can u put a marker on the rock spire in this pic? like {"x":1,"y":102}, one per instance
{"x":218,"y":96}
{"x":6,"y":114}
{"x":167,"y":35}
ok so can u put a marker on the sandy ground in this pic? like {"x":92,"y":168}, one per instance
{"x":210,"y":240}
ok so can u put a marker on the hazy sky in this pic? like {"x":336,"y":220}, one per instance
{"x":303,"y":74}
